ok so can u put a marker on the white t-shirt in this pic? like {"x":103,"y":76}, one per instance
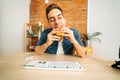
{"x":60,"y":48}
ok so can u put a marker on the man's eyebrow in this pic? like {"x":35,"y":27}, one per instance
{"x":59,"y":15}
{"x":53,"y":17}
{"x":50,"y":18}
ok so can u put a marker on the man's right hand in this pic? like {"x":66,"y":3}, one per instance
{"x":52,"y":37}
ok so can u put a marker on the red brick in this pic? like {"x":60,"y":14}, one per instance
{"x":75,"y":12}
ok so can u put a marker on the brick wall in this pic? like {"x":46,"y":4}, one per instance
{"x":75,"y":12}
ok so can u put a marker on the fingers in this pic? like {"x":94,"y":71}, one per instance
{"x":55,"y":38}
{"x":69,"y":35}
{"x":68,"y":32}
{"x":52,"y":37}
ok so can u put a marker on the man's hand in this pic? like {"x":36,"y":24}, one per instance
{"x":68,"y":34}
{"x":52,"y":37}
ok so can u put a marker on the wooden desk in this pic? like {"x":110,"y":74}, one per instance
{"x":95,"y":69}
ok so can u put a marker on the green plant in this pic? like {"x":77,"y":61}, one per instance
{"x":90,"y":37}
{"x":37,"y":30}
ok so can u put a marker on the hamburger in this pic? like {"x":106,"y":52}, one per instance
{"x":60,"y":33}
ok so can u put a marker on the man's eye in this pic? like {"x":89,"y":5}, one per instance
{"x":51,"y":20}
{"x":59,"y":17}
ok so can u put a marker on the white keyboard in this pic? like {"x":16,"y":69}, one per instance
{"x":53,"y":65}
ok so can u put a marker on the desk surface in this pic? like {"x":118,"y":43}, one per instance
{"x":95,"y":68}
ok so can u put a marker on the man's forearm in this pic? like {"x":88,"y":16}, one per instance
{"x":41,"y":49}
{"x":80,"y":51}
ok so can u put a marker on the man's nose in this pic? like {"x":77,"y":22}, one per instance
{"x":56,"y":21}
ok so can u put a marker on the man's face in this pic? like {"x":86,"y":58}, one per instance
{"x":56,"y":18}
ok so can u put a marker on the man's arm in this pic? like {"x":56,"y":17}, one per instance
{"x":50,"y":39}
{"x":79,"y":50}
{"x":69,"y":34}
{"x":41,"y":49}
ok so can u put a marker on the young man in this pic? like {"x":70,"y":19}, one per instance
{"x":59,"y":39}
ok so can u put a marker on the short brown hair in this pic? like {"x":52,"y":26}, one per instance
{"x":52,"y":6}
